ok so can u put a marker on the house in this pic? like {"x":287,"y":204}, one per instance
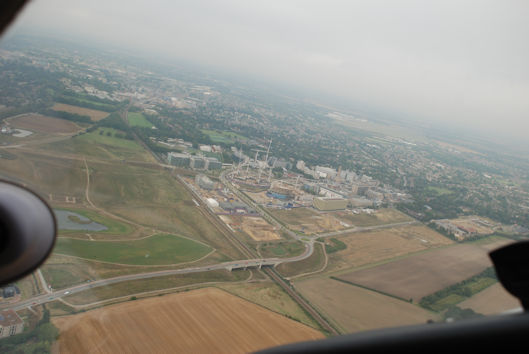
{"x":10,"y":323}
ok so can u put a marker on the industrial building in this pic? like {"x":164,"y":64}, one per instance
{"x":204,"y":182}
{"x":212,"y":163}
{"x":10,"y":323}
{"x":177,"y":159}
{"x":325,"y":203}
{"x":237,"y":208}
{"x":197,"y":163}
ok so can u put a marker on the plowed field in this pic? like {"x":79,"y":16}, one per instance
{"x":201,"y":321}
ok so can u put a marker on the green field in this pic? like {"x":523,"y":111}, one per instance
{"x":138,"y":120}
{"x":103,"y":143}
{"x":113,"y":226}
{"x":156,"y":250}
{"x":224,"y":137}
{"x":282,"y":249}
{"x":437,"y":191}
{"x":311,"y":264}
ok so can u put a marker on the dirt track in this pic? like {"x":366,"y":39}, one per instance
{"x":201,"y":321}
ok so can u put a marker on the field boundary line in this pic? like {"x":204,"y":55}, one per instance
{"x":370,"y":289}
{"x":272,"y":310}
{"x":140,"y":265}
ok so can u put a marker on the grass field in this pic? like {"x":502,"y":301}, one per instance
{"x":419,"y":275}
{"x":43,"y":124}
{"x":437,"y":191}
{"x":114,"y":226}
{"x":271,"y":296}
{"x":155,"y":250}
{"x":355,"y":309}
{"x":218,"y":136}
{"x":143,"y":285}
{"x":100,"y":144}
{"x":492,"y":300}
{"x":63,"y":271}
{"x":314,"y":263}
{"x":379,"y":217}
{"x":138,"y":120}
{"x":94,"y":114}
{"x":46,"y":175}
{"x":282,"y":249}
{"x":201,"y":321}
{"x":364,"y":248}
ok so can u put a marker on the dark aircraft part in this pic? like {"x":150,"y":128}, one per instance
{"x":27,"y":231}
{"x":512,"y":267}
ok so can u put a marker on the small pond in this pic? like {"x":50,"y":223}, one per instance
{"x":68,"y":220}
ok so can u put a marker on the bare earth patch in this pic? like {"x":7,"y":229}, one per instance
{"x":201,"y":321}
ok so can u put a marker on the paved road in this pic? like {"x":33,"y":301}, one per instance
{"x":240,"y":264}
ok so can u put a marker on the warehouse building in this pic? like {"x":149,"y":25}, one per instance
{"x":177,"y":159}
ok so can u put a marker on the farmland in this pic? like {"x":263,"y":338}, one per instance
{"x":364,"y":248}
{"x":198,"y":318}
{"x":43,"y":124}
{"x":138,"y":120}
{"x":272,"y":297}
{"x":419,"y":275}
{"x":94,"y":114}
{"x":154,"y":250}
{"x":493,"y":300}
{"x":355,"y":309}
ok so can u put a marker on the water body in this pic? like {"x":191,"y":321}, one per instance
{"x":69,"y":220}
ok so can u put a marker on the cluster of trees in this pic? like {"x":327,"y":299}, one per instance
{"x":462,"y":289}
{"x":91,"y":102}
{"x":456,"y":313}
{"x":36,"y":340}
{"x":114,"y":121}
{"x":66,"y":115}
{"x":336,"y":246}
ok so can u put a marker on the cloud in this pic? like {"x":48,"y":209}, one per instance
{"x":461,"y":63}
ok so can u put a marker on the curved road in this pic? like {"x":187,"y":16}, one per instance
{"x":240,"y":264}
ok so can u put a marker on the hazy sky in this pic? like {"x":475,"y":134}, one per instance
{"x":460,"y":62}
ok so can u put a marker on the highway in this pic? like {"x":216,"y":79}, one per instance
{"x":239,"y":264}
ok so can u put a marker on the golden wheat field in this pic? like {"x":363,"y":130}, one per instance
{"x":200,"y":321}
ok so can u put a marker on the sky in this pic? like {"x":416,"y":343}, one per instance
{"x":462,"y":64}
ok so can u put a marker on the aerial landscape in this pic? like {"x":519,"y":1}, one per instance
{"x":202,"y":214}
